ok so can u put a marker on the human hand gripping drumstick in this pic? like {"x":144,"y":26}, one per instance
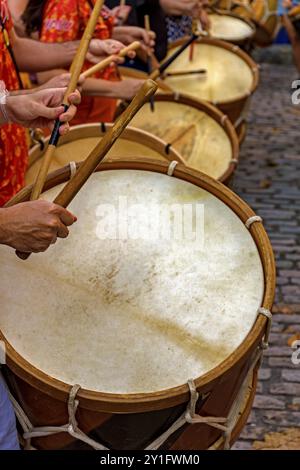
{"x":108,"y":60}
{"x":89,"y":165}
{"x":75,"y":73}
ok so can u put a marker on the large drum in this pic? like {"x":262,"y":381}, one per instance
{"x":198,"y":131}
{"x":79,"y":142}
{"x":232,"y":28}
{"x":132,"y":330}
{"x":230,"y":77}
{"x":263,"y":13}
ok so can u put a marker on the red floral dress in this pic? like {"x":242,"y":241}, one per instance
{"x":65,"y":20}
{"x":13,"y":144}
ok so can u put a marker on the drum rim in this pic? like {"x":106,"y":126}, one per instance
{"x":141,"y":402}
{"x":250,"y":23}
{"x":236,"y":50}
{"x":263,"y":36}
{"x":130,"y":133}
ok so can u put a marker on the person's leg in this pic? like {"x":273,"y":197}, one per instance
{"x":8,"y":430}
{"x":294,"y":37}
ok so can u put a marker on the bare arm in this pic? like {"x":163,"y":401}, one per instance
{"x":292,"y":33}
{"x":35,"y":56}
{"x":123,"y":89}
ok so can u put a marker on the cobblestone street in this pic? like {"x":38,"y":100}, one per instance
{"x":268,"y":178}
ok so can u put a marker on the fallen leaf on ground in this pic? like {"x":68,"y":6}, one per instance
{"x":270,"y":162}
{"x":265,"y":183}
{"x":288,"y":439}
{"x":293,"y":338}
{"x":287,"y":310}
{"x":290,"y":329}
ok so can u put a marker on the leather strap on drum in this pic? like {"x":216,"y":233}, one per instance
{"x":73,"y":169}
{"x":268,"y":314}
{"x":252,"y":220}
{"x":244,"y":114}
{"x":172,"y":167}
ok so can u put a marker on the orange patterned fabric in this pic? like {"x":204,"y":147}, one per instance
{"x":65,"y":20}
{"x":13,"y":146}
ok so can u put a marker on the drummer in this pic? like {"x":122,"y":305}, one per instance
{"x":292,"y":31}
{"x":30,"y":56}
{"x":65,"y":21}
{"x":31,"y":226}
{"x":170,"y":19}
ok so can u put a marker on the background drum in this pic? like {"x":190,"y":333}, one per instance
{"x":79,"y":142}
{"x":232,"y":28}
{"x":198,"y":131}
{"x":263,"y":13}
{"x":230,"y":77}
{"x":132,"y":322}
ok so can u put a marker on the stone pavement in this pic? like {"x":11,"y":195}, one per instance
{"x":268,"y":178}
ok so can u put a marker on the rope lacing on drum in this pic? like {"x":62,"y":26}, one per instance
{"x":172,"y":167}
{"x":31,"y":432}
{"x":192,"y":418}
{"x":224,"y":118}
{"x":244,"y":114}
{"x":268,"y":13}
{"x":241,"y":4}
{"x":189,"y":416}
{"x":268,"y":314}
{"x":252,"y":220}
{"x":73,"y":169}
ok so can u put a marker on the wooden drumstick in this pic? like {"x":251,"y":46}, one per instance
{"x":108,"y":60}
{"x":192,"y":46}
{"x":185,"y":72}
{"x":90,"y":164}
{"x":149,"y":60}
{"x":164,"y":86}
{"x":75,"y":69}
{"x":158,"y":72}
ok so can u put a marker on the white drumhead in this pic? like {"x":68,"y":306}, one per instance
{"x":197,"y":137}
{"x":129,"y":316}
{"x":229,"y":28}
{"x":228,"y":77}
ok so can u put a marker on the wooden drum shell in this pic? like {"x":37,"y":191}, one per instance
{"x":144,"y":416}
{"x":243,"y":42}
{"x":233,"y":108}
{"x":212,"y":112}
